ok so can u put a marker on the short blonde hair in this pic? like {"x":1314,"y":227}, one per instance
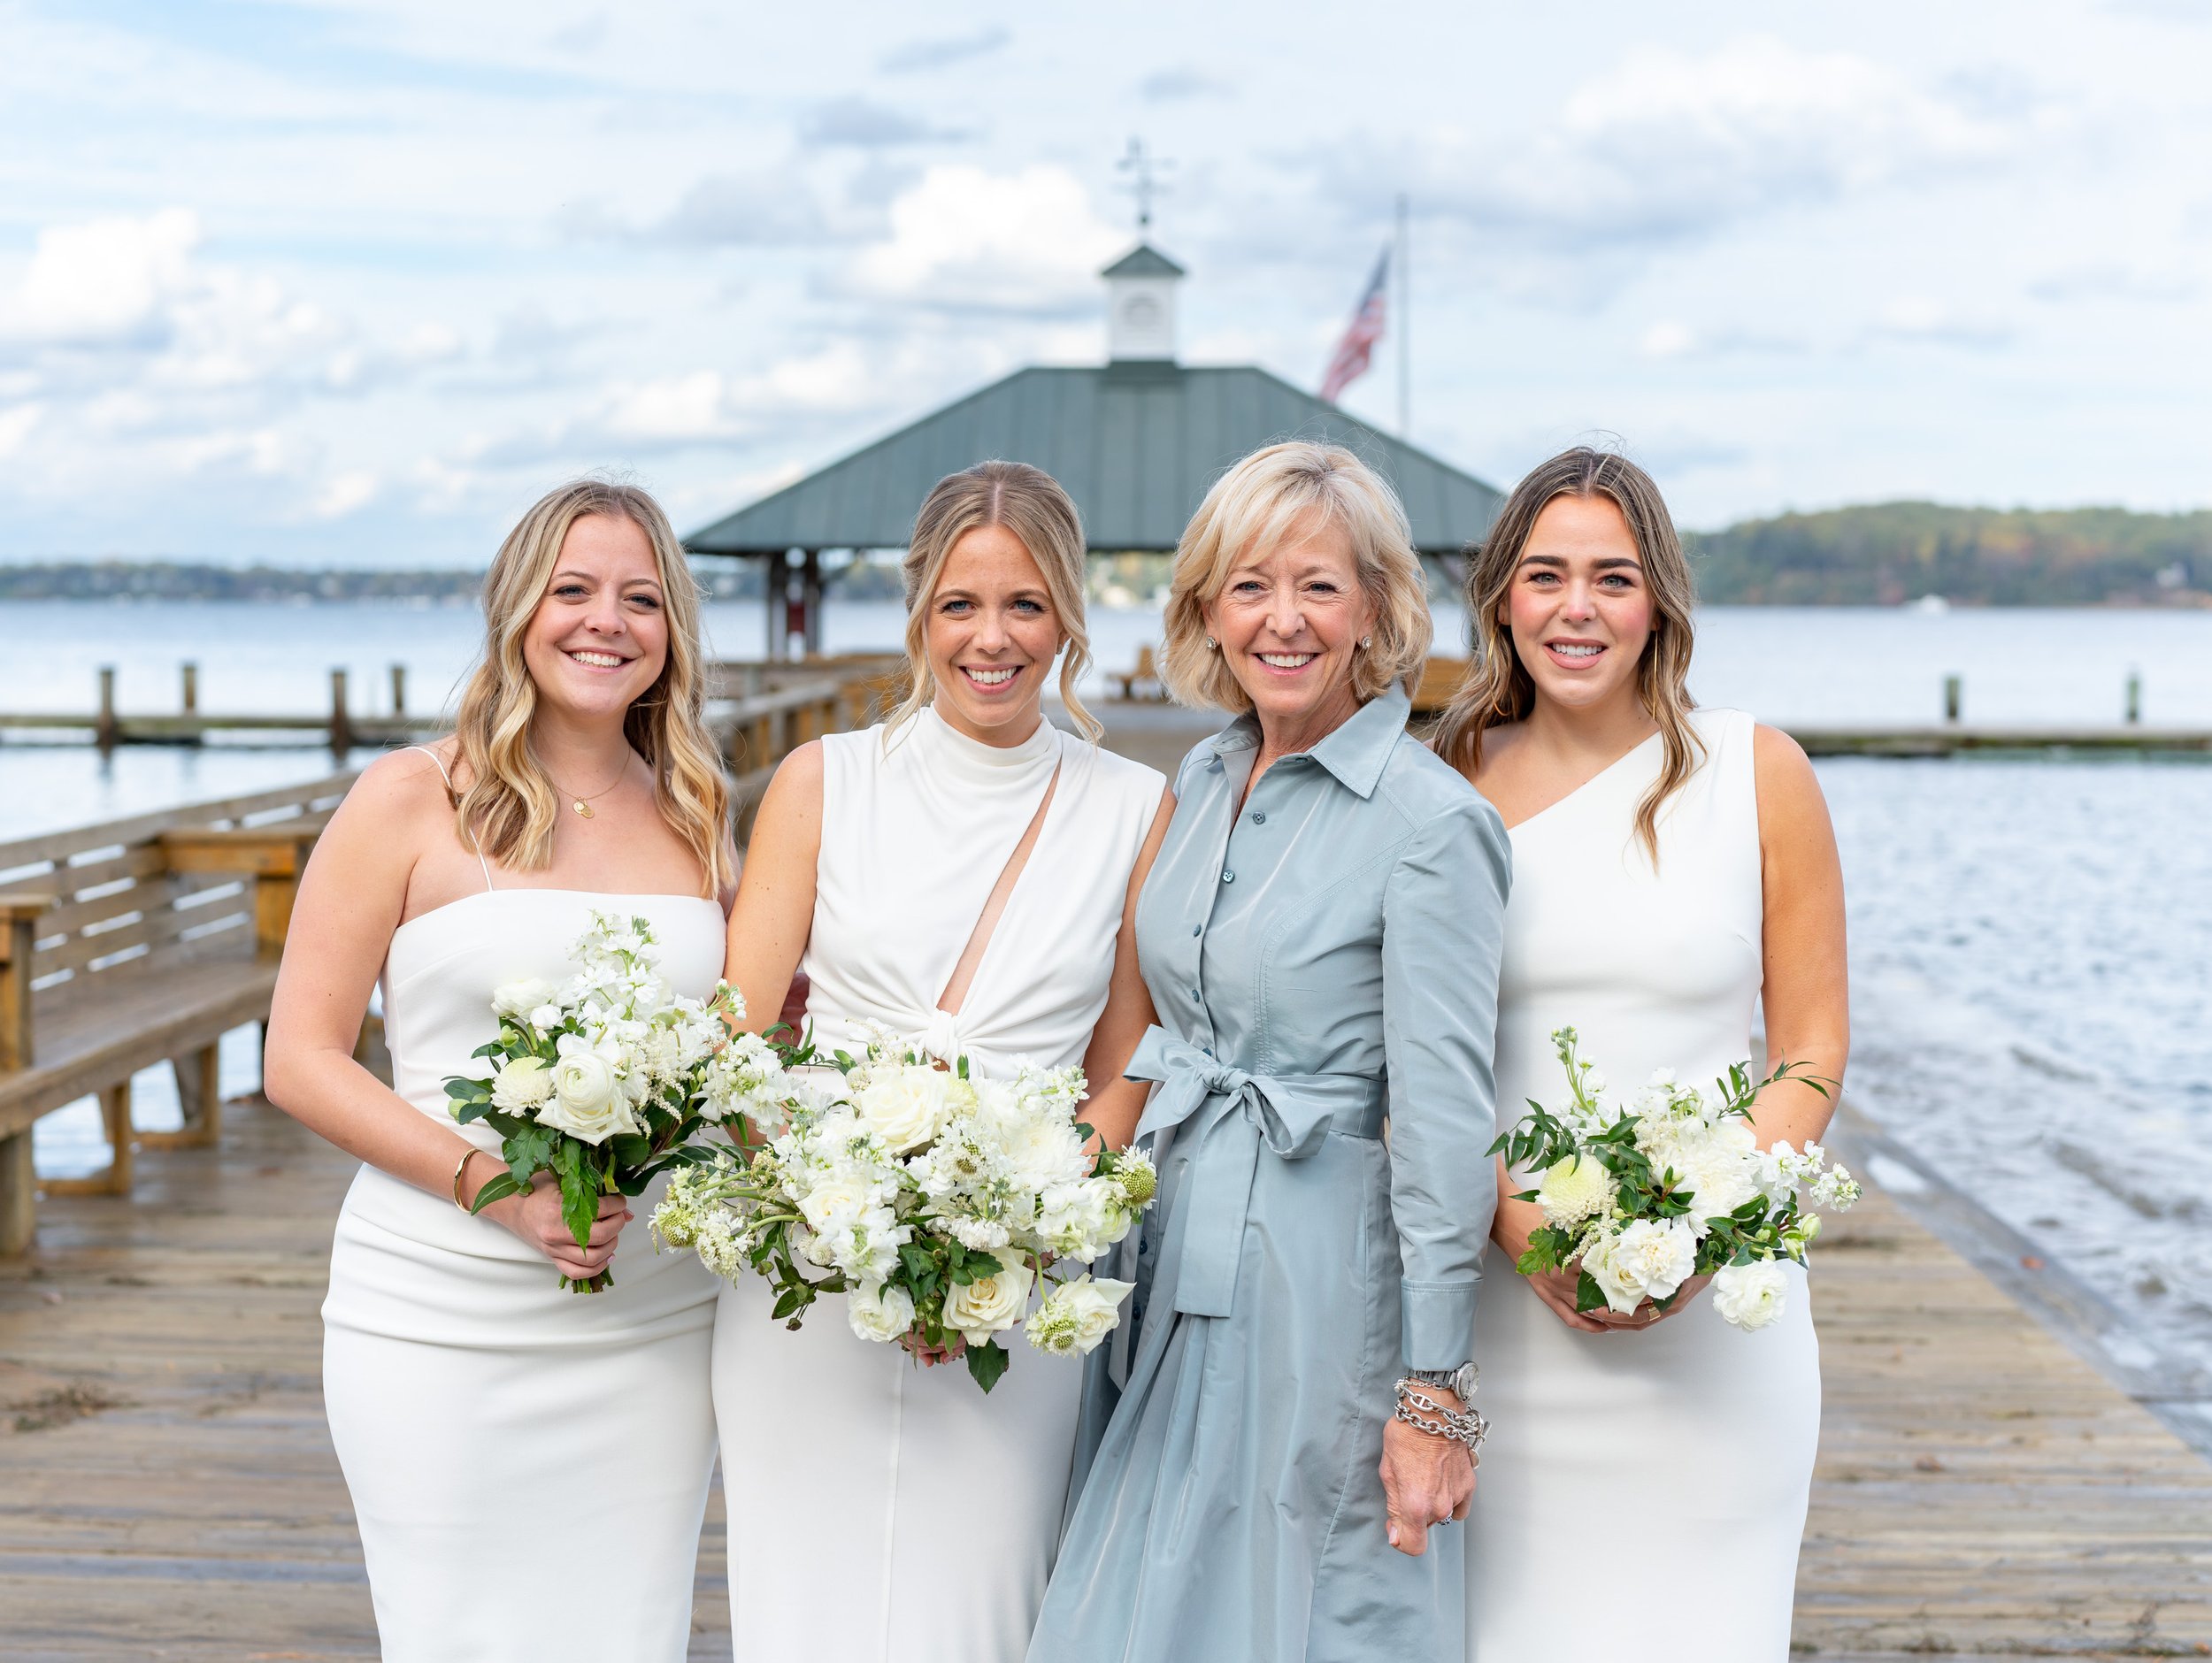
{"x":508,"y":807}
{"x":1256,"y":504}
{"x":1031,"y":503}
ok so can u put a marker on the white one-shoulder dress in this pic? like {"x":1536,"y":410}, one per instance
{"x":529,"y":1466}
{"x":1642,"y":1494}
{"x":892,"y":1512}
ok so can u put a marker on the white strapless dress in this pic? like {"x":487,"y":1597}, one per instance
{"x":890,"y":1512}
{"x":1643,"y":1494}
{"x":529,"y":1466}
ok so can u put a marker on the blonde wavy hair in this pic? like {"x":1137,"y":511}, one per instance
{"x":1499,"y":688}
{"x":1029,"y":503}
{"x":507,"y":807}
{"x":1257,"y":503}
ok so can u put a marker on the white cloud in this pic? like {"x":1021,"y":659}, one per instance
{"x":1917,"y":318}
{"x":16,"y":426}
{"x":345,"y":493}
{"x":107,"y":282}
{"x":966,"y":238}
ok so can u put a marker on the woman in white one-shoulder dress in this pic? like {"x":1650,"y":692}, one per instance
{"x":529,"y":1466}
{"x":965,"y":872}
{"x":1643,"y":1491}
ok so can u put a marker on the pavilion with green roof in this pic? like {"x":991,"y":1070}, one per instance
{"x":1137,"y":441}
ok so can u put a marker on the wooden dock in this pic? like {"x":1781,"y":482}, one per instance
{"x":167,"y":1488}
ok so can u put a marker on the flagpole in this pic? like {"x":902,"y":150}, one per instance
{"x":1405,"y":320}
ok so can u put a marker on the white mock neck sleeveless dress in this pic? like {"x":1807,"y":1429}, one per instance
{"x":1642,"y":1494}
{"x":896,"y":1513}
{"x":529,"y":1466}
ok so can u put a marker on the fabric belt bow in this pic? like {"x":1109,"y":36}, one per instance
{"x":1231,"y":1112}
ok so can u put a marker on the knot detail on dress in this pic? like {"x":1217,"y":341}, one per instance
{"x":1231,"y":1112}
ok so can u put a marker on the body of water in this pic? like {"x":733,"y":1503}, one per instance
{"x":2031,"y":940}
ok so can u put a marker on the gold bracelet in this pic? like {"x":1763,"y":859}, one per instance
{"x":460,"y":1172}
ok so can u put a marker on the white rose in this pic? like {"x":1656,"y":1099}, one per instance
{"x":880,"y":1312}
{"x":1622,"y":1295}
{"x":523,"y":1086}
{"x":1077,"y":1315}
{"x":834,"y":1204}
{"x":1654,"y":1257}
{"x":989,"y":1305}
{"x":1573,"y":1190}
{"x":907,"y":1106}
{"x":516,"y":999}
{"x":586,"y":1104}
{"x":1750,"y":1296}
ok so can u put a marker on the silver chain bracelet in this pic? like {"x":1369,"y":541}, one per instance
{"x":1416,"y":1408}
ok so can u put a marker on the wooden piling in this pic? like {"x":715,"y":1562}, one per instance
{"x":191,"y":692}
{"x":1954,"y":699}
{"x":105,"y":730}
{"x":341,"y":719}
{"x":2135,"y":698}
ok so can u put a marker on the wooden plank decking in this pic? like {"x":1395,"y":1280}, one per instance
{"x":167,"y":1488}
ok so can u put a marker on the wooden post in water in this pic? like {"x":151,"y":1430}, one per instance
{"x":191,"y":688}
{"x":106,"y":730}
{"x":399,"y":690}
{"x":2135,"y":698}
{"x":1953,"y":697}
{"x":341,"y":719}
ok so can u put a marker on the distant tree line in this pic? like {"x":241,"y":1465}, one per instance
{"x":186,"y":580}
{"x":1886,"y":553}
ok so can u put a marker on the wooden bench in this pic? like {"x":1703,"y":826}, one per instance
{"x":1144,"y":673}
{"x":133,"y":943}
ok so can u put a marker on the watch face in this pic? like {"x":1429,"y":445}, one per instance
{"x":1465,"y":1380}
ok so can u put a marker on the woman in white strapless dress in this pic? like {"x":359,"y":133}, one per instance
{"x":966,"y":872}
{"x":529,"y":1466}
{"x":1643,"y":1491}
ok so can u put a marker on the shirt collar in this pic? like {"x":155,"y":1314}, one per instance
{"x":1353,"y":753}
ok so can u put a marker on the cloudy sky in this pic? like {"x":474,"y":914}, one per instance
{"x":353,"y":280}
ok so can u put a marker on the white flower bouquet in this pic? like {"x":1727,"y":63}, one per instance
{"x":944,"y":1206}
{"x":1674,"y":1186}
{"x":606,"y":1080}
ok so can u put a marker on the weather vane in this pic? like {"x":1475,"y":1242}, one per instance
{"x":1144,"y":183}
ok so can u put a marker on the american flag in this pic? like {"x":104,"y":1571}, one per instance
{"x":1358,"y":345}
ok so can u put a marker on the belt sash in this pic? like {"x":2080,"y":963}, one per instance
{"x":1231,"y":1112}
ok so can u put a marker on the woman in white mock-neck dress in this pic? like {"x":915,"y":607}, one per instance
{"x":529,"y":1466}
{"x":1643,"y":1491}
{"x":965,"y":872}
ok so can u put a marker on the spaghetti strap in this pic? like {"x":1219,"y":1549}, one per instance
{"x":439,"y":763}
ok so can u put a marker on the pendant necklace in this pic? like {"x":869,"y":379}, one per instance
{"x":582,"y":805}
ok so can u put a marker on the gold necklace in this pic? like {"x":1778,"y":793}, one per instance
{"x":582,"y":805}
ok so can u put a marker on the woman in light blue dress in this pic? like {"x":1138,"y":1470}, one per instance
{"x":1285,"y":1422}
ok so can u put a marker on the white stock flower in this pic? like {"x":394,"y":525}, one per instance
{"x":1750,"y":1296}
{"x":523,"y":1085}
{"x":1574,"y":1190}
{"x":989,"y":1305}
{"x":1077,"y":1315}
{"x":879,"y":1311}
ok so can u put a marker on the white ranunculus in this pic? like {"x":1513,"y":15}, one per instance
{"x":989,"y":1305}
{"x":1573,"y":1190}
{"x":517,"y":999}
{"x":523,"y":1086}
{"x":1656,"y":1257}
{"x":1750,"y":1296}
{"x":907,"y":1107}
{"x":1601,"y":1260}
{"x":586,"y":1103}
{"x":880,"y":1312}
{"x":1077,"y":1315}
{"x":547,"y":1017}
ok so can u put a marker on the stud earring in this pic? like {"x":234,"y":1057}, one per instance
{"x":1367,"y":640}
{"x":1212,"y":646}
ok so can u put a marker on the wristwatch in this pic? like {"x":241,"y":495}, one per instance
{"x":1461,"y":1382}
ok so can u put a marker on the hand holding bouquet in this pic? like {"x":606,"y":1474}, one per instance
{"x":940,"y":1203}
{"x":1673,"y":1187}
{"x":603,"y":1081}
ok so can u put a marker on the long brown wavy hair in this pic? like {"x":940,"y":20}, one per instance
{"x":507,"y":805}
{"x":1499,"y":688}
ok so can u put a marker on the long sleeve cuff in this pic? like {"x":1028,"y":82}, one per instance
{"x":1439,"y":1324}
